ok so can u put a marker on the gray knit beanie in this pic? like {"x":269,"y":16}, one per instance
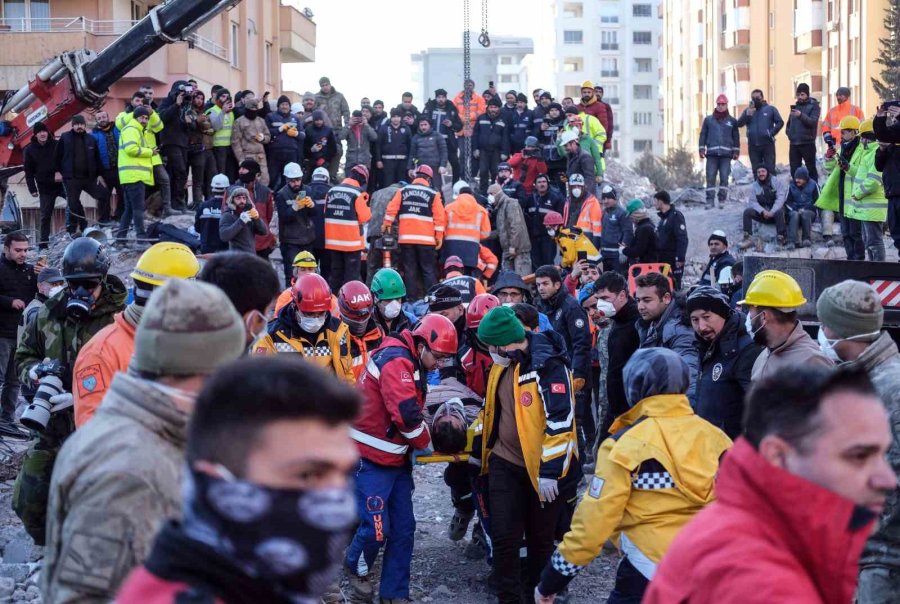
{"x":187,"y":328}
{"x":850,"y":308}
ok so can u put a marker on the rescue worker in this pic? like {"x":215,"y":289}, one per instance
{"x":360,"y":137}
{"x":591,"y":138}
{"x":221,"y":118}
{"x":309,"y":328}
{"x":390,"y":430}
{"x":474,"y":356}
{"x":286,"y":145}
{"x":572,"y":243}
{"x":589,"y":217}
{"x":392,"y":149}
{"x":467,"y":224}
{"x":617,"y":229}
{"x":801,"y":129}
{"x":865,"y":206}
{"x":547,"y":131}
{"x":346,"y":211}
{"x":136,"y":171}
{"x":296,"y":217}
{"x":357,"y":310}
{"x":544,"y":199}
{"x":579,"y":161}
{"x":470,"y":105}
{"x":593,"y":106}
{"x":153,"y":127}
{"x":262,"y":198}
{"x":467,"y":286}
{"x":770,"y":304}
{"x":511,"y":230}
{"x":527,"y":447}
{"x":719,"y":145}
{"x":419,"y":209}
{"x":209,"y":215}
{"x":727,"y":353}
{"x":671,"y":235}
{"x":843,"y":108}
{"x":65,"y":323}
{"x":318,"y":188}
{"x":763,"y":123}
{"x":487,"y":263}
{"x":388,"y":290}
{"x":110,"y":350}
{"x":491,"y":144}
{"x":303,"y":263}
{"x":839,"y":164}
{"x":642,"y":249}
{"x":511,"y":186}
{"x":655,"y":474}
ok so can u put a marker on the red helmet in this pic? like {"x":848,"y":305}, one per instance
{"x":438,"y":332}
{"x":426,"y":170}
{"x":721,"y":99}
{"x":355,"y":301}
{"x":553,"y":219}
{"x":478,"y":307}
{"x":311,"y":293}
{"x":361,"y":170}
{"x":454,"y":262}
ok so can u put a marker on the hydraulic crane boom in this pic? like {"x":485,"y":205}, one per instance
{"x":79,"y":79}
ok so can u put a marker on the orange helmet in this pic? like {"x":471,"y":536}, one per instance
{"x":311,"y":293}
{"x":553,"y":219}
{"x":425,"y":170}
{"x":478,"y":307}
{"x":438,"y":333}
{"x":355,"y":301}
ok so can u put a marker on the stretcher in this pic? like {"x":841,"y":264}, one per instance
{"x":441,"y":458}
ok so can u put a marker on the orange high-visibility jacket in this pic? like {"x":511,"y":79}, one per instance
{"x":477,"y":106}
{"x":590,"y":219}
{"x":346,"y":211}
{"x":108,"y":352}
{"x":487,"y":262}
{"x":421,"y":213}
{"x":467,"y":220}
{"x":834,"y":116}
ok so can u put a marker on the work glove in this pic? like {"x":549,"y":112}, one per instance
{"x":293,"y":132}
{"x":61,"y":401}
{"x":254,"y":214}
{"x":245,"y":217}
{"x":548,"y":489}
{"x":476,"y":153}
{"x":285,"y":127}
{"x":578,"y":384}
{"x":439,"y":241}
{"x":307,"y":202}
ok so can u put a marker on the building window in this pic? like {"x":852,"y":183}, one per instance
{"x":642,"y":10}
{"x":235,"y":37}
{"x":643,"y":65}
{"x":609,"y":13}
{"x":509,"y":78}
{"x":611,"y":94}
{"x":27,"y":15}
{"x":573,"y":10}
{"x":643,"y":93}
{"x":572,"y":64}
{"x":267,"y":58}
{"x":642,"y":145}
{"x":609,"y":68}
{"x":643,"y":118}
{"x":506,"y":60}
{"x":572,"y":91}
{"x":573,"y":36}
{"x":642,"y":37}
{"x":138,"y":11}
{"x":609,"y":40}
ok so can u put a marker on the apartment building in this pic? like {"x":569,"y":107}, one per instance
{"x":243,"y":48}
{"x":505,"y":62}
{"x":614,"y":44}
{"x":734,"y":46}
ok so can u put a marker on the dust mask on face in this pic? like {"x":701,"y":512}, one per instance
{"x":310,"y":324}
{"x":55,"y":290}
{"x":500,"y":360}
{"x":576,"y":192}
{"x":392,"y":309}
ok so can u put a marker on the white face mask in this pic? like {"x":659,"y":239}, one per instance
{"x":551,"y":232}
{"x":176,"y":393}
{"x":392,"y":309}
{"x":499,"y":360}
{"x":310,"y":324}
{"x":826,"y":345}
{"x":55,"y":290}
{"x":606,"y":309}
{"x":576,"y":193}
{"x":748,"y":323}
{"x":491,"y":199}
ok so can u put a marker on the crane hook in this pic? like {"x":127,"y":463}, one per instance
{"x":484,"y":39}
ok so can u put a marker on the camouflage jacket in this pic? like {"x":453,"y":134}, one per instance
{"x":116,"y":480}
{"x":882,"y":361}
{"x":52,"y":334}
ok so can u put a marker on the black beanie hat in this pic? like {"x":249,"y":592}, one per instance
{"x":283,"y":99}
{"x":494,"y":102}
{"x":39,"y":127}
{"x":803,"y":87}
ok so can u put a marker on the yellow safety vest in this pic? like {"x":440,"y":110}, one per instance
{"x":135,"y":157}
{"x":222,"y":138}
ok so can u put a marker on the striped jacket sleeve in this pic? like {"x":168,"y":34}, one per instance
{"x":559,"y":409}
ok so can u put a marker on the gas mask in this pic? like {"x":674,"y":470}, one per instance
{"x":310,"y":324}
{"x":391,"y":310}
{"x":291,"y":538}
{"x":81,"y":299}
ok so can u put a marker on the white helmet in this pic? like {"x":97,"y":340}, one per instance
{"x":296,"y":108}
{"x":576,"y":180}
{"x":219,"y":182}
{"x":321,"y":174}
{"x":459,"y":186}
{"x":568,"y":136}
{"x":292,"y":170}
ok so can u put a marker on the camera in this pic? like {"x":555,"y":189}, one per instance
{"x":37,"y":414}
{"x":387,"y":243}
{"x":829,"y":140}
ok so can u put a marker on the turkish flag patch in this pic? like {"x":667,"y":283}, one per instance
{"x":558,"y":388}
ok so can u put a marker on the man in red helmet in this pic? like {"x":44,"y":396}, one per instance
{"x":357,"y":311}
{"x":420,"y":210}
{"x":307,"y":327}
{"x":719,"y":144}
{"x":389,"y":429}
{"x":474,"y":355}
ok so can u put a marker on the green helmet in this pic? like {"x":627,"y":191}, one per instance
{"x":387,"y":284}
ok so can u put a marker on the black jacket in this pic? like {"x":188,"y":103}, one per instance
{"x":17,"y":282}
{"x":520,"y":127}
{"x":40,"y":166}
{"x":393,"y":142}
{"x":437,"y":114}
{"x":887,"y":160}
{"x":69,"y":152}
{"x":206,"y":223}
{"x":491,"y":134}
{"x":297,"y":227}
{"x":671,"y":237}
{"x":623,"y":341}
{"x":539,"y":206}
{"x":802,"y":130}
{"x":642,"y":248}
{"x":716,"y":264}
{"x":724,"y":379}
{"x":570,"y":321}
{"x":323,"y":136}
{"x":514,"y":189}
{"x":175,"y":130}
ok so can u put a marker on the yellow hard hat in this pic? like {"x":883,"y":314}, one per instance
{"x":166,"y":260}
{"x":867,"y":126}
{"x":849,"y":122}
{"x":305,"y":260}
{"x":587,"y":84}
{"x":774,"y":289}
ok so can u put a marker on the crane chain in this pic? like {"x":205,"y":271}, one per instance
{"x":484,"y":39}
{"x":467,"y":74}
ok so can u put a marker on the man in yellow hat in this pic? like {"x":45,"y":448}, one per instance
{"x":771,"y":305}
{"x":110,"y":350}
{"x":592,"y":105}
{"x":304,"y":262}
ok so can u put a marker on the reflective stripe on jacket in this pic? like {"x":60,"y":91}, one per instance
{"x":135,"y":155}
{"x":421,"y":214}
{"x":222,"y":136}
{"x":346,"y":210}
{"x":590,"y":219}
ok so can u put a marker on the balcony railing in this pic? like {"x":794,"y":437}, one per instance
{"x":611,"y":73}
{"x":609,"y":46}
{"x":97,"y":28}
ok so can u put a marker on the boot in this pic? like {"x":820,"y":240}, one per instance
{"x":779,"y":241}
{"x":361,"y":589}
{"x":459,"y":524}
{"x":747,"y":242}
{"x":477,"y":547}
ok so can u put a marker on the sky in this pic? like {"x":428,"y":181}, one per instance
{"x":367,"y":54}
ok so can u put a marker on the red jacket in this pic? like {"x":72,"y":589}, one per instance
{"x":266,"y":209}
{"x":526,"y":169}
{"x":143,"y":587}
{"x":770,"y":537}
{"x":476,"y":365}
{"x":392,"y":420}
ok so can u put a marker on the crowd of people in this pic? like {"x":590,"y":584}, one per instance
{"x":216,"y":431}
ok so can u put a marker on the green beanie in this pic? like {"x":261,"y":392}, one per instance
{"x":634,"y":205}
{"x":501,"y":327}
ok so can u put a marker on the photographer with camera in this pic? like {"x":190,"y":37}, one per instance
{"x":175,"y":111}
{"x":45,"y":357}
{"x":887,"y":161}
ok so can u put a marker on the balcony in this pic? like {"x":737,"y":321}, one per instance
{"x":735,"y":82}
{"x":735,"y":39}
{"x":736,"y":31}
{"x":297,"y":36}
{"x":808,"y":24}
{"x":609,"y":73}
{"x":609,"y":46}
